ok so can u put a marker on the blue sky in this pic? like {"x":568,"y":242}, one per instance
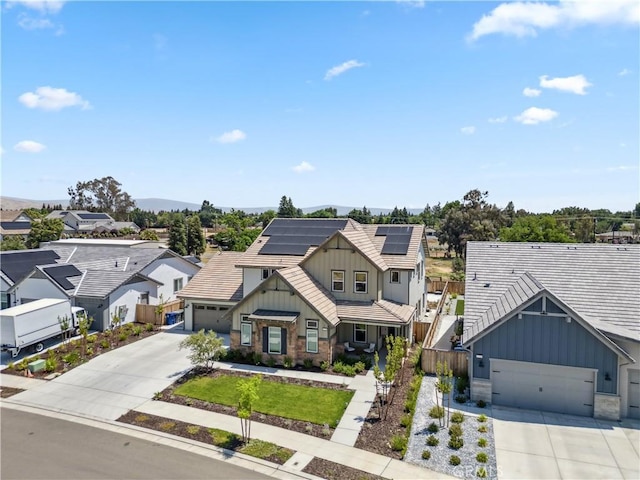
{"x":345,"y":103}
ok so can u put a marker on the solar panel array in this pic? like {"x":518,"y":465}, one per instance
{"x":61,"y":273}
{"x":15,"y":225}
{"x":397,"y":239}
{"x":18,"y":265}
{"x":94,"y":216}
{"x":295,"y":236}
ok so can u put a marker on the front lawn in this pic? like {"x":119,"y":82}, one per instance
{"x":312,"y":404}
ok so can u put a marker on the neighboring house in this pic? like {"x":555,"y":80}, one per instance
{"x":620,"y":236}
{"x":554,"y":326}
{"x":105,"y":277}
{"x":85,"y":222}
{"x":14,"y":222}
{"x":307,"y":286}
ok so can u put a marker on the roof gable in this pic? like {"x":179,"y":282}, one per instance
{"x":359,"y":241}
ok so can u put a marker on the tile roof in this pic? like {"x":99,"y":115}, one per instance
{"x":274,"y":315}
{"x":9,"y":215}
{"x":600,"y":282}
{"x":401,"y":262}
{"x":311,"y":291}
{"x":382,"y":311}
{"x":219,"y":279}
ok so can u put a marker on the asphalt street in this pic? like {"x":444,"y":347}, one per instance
{"x":39,"y":447}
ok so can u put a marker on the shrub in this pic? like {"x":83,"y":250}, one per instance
{"x":455,"y":430}
{"x":432,"y":440}
{"x":482,"y":457}
{"x":481,"y":404}
{"x":137,"y":330}
{"x":50,"y":364}
{"x":92,"y":338}
{"x":157,"y":396}
{"x":460,"y":399}
{"x":256,"y":357}
{"x":123,"y":336}
{"x":193,"y":429}
{"x":71,"y":358}
{"x":482,"y":429}
{"x":324,"y":365}
{"x":326,"y":431}
{"x":456,"y":443}
{"x":482,"y":472}
{"x":167,"y":426}
{"x":104,"y":343}
{"x":436,"y":412}
{"x":148,"y":327}
{"x":482,"y":442}
{"x":461,"y":384}
{"x":433,"y":428}
{"x":398,"y":443}
{"x":405,"y":421}
{"x":271,"y":362}
{"x":426,"y":454}
{"x":89,"y":351}
{"x":410,"y":404}
{"x":308,"y":363}
{"x":359,"y":367}
{"x":288,"y":362}
{"x":454,"y":460}
{"x":457,"y":417}
{"x":482,"y":418}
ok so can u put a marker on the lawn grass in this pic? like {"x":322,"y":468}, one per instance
{"x":311,"y":404}
{"x":460,"y":307}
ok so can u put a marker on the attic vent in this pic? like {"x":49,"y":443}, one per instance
{"x":536,"y":246}
{"x":487,"y":285}
{"x":623,"y":249}
{"x":572,"y":248}
{"x":493,"y":246}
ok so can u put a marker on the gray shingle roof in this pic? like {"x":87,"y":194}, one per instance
{"x":599,"y":282}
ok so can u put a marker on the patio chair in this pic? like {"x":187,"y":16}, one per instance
{"x":371,"y":349}
{"x":348,"y":348}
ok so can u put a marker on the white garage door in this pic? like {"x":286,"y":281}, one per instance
{"x":209,"y":317}
{"x":634,"y":394}
{"x":537,"y":386}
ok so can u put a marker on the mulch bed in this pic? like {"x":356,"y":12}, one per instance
{"x":19,"y":368}
{"x":6,"y":392}
{"x":334,"y":471}
{"x":197,"y":433}
{"x":308,"y":428}
{"x":376,"y":433}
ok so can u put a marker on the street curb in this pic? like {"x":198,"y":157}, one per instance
{"x":192,"y":446}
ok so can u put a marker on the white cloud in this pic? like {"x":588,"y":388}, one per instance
{"x":303,"y":167}
{"x":340,"y":69}
{"x":231,"y":137}
{"x":623,"y":72}
{"x":531,"y":92}
{"x":525,"y":19}
{"x":42,"y":6}
{"x":470,"y":130}
{"x":576,"y":84}
{"x":535,"y":115}
{"x":49,"y":98}
{"x":623,"y":168}
{"x":502,"y":119}
{"x":412,"y":3}
{"x":29,"y":23}
{"x":29,"y":146}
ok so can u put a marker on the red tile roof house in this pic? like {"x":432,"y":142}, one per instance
{"x":305,"y":287}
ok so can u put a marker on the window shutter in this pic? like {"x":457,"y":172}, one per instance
{"x":284,"y":340}
{"x":265,"y":339}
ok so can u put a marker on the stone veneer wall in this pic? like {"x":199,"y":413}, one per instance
{"x":606,"y":406}
{"x":481,"y":390}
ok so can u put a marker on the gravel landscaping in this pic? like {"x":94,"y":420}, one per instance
{"x":440,"y":454}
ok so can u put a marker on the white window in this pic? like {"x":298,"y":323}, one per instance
{"x":5,"y":300}
{"x":177,"y":284}
{"x":360,"y":283}
{"x":275,"y":340}
{"x":360,"y":333}
{"x":337,"y":280}
{"x":245,"y":331}
{"x":312,"y":336}
{"x":395,"y":276}
{"x":144,"y":298}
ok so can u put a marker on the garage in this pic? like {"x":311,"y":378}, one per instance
{"x":633,"y":410}
{"x":209,"y":317}
{"x":535,"y":386}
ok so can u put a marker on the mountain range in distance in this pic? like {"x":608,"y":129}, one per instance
{"x":158,"y":204}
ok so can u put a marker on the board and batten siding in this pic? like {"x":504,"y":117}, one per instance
{"x":280,"y":300}
{"x":548,"y":340}
{"x":321,"y":264}
{"x":396,"y":292}
{"x":97,"y":309}
{"x":633,"y":349}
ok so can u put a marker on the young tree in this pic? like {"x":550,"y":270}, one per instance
{"x":65,"y":323}
{"x":83,"y":328}
{"x":396,"y":351}
{"x":45,"y":230}
{"x":444,"y":385}
{"x":12,"y":242}
{"x":248,"y":391}
{"x":178,"y":236}
{"x":206,"y":348}
{"x":195,"y":238}
{"x":149,"y":235}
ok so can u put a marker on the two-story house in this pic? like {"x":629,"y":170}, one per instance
{"x":308,"y":286}
{"x":81,"y":221}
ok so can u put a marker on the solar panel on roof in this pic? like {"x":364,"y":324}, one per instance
{"x":15,"y":225}
{"x":397,"y":241}
{"x":288,"y":236}
{"x":18,"y":265}
{"x":94,"y":216}
{"x":61,"y":273}
{"x":283,"y":249}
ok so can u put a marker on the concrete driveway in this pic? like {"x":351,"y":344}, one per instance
{"x":542,"y":445}
{"x":115,"y":382}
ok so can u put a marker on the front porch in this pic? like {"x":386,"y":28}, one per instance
{"x":361,"y":336}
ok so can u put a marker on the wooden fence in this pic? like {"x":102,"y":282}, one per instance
{"x":437,"y":285}
{"x":154,"y":314}
{"x":420,"y":330}
{"x":457,"y":361}
{"x":428,"y":339}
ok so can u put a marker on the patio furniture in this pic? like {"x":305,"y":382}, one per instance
{"x":348,"y":348}
{"x":371,"y":349}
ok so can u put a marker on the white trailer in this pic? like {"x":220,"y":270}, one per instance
{"x":31,"y":324}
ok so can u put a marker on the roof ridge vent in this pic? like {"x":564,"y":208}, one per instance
{"x":538,"y":247}
{"x":495,"y":245}
{"x":571,"y":248}
{"x":622,"y":249}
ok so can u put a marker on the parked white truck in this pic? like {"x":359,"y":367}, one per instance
{"x":32,"y":323}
